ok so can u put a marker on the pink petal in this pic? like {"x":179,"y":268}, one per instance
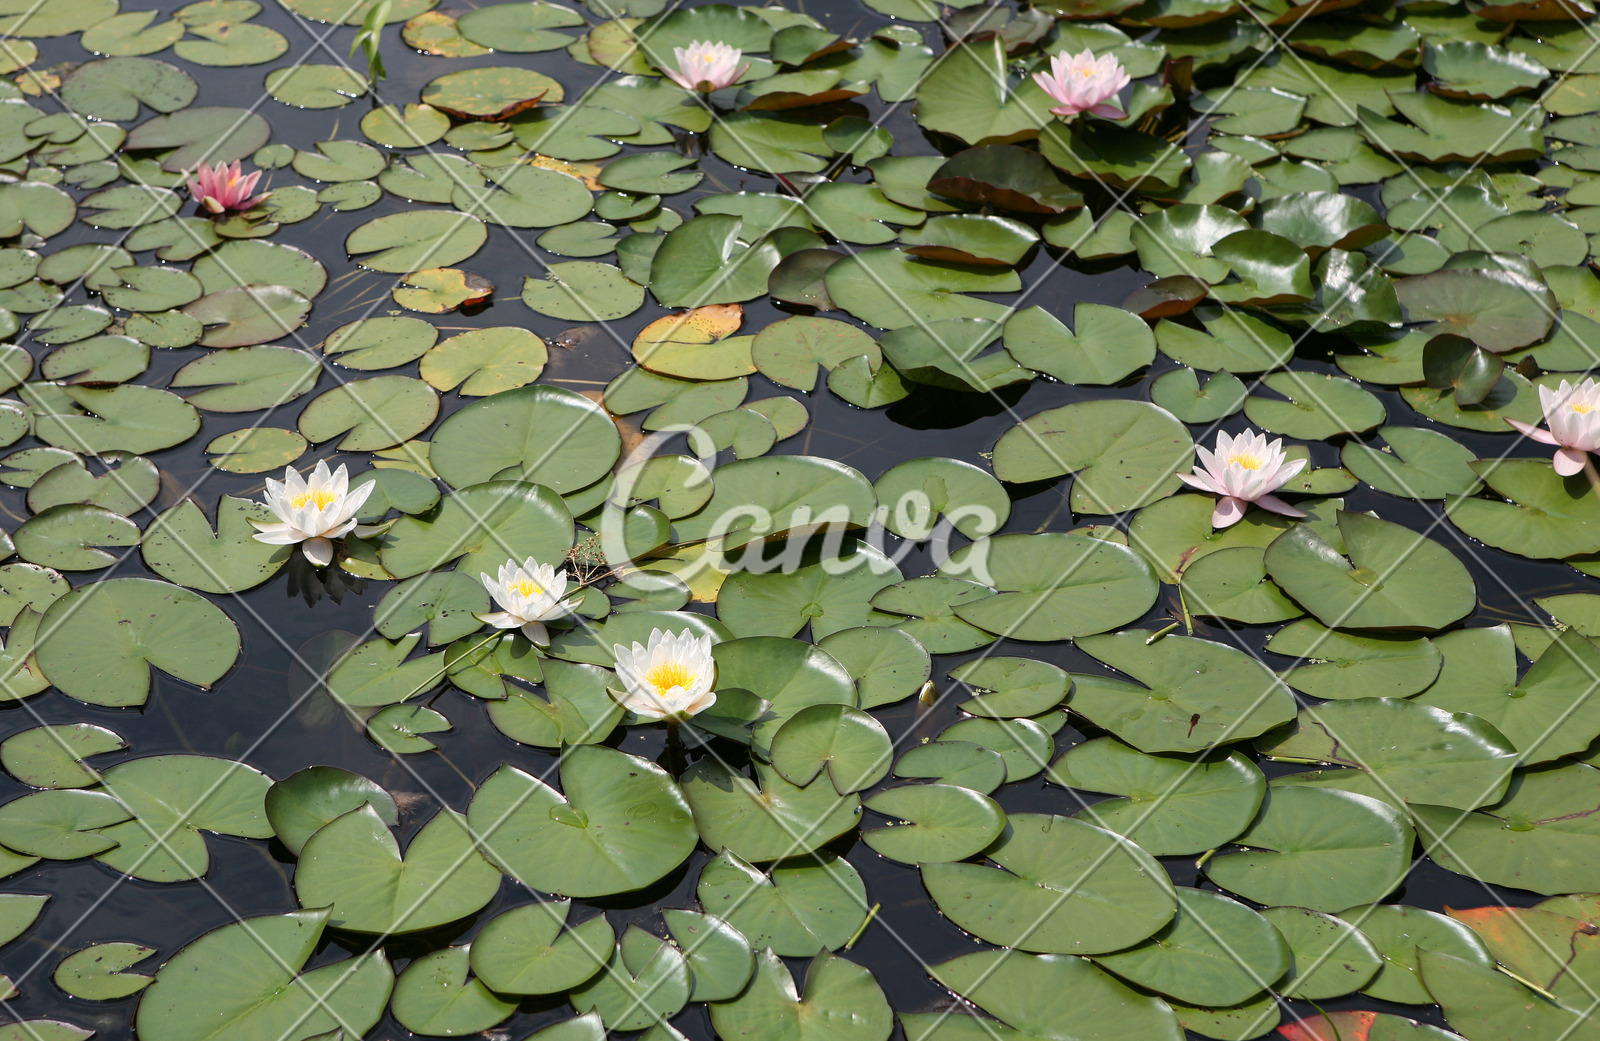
{"x":1229,"y":512}
{"x":1569,"y":461}
{"x":1537,"y":433}
{"x":1108,"y":112}
{"x":1277,"y":505}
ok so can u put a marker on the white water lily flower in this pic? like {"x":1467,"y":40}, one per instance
{"x":312,"y":512}
{"x":529,"y":596}
{"x":669,"y":678}
{"x":1243,"y":470}
{"x":1084,"y":83}
{"x":706,"y":66}
{"x":1573,"y":416}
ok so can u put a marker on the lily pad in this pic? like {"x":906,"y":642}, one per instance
{"x":619,"y":824}
{"x":243,"y":982}
{"x":1386,"y":576}
{"x":1318,"y":848}
{"x":101,"y":640}
{"x":1060,"y":886}
{"x":1126,"y":454}
{"x":1195,"y":694}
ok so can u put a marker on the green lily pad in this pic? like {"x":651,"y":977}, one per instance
{"x":1171,"y":805}
{"x":491,"y":92}
{"x":1108,"y":344}
{"x":1032,"y":995}
{"x":248,"y":379}
{"x":52,"y":756}
{"x":96,"y":972}
{"x":851,"y":746}
{"x":435,"y":996}
{"x":402,"y":242}
{"x":646,"y":981}
{"x":1060,"y":886}
{"x":1547,"y":516}
{"x":527,"y":950}
{"x":256,"y":450}
{"x":1331,"y":957}
{"x":1052,"y":586}
{"x":245,"y":315}
{"x":212,"y":134}
{"x":354,"y":865}
{"x":1536,"y":838}
{"x":772,"y":820}
{"x":891,"y":289}
{"x":486,"y":524}
{"x":933,"y":823}
{"x":1318,"y":406}
{"x":1125,"y":454}
{"x":101,"y":640}
{"x":63,"y":824}
{"x":1215,"y":951}
{"x":619,"y":824}
{"x":797,"y":908}
{"x":181,"y":547}
{"x":1418,"y":463}
{"x":841,"y":1002}
{"x":1318,"y":848}
{"x":243,"y":982}
{"x":1413,"y":752}
{"x":372,"y":413}
{"x":307,"y":799}
{"x":1401,"y":934}
{"x":69,"y":537}
{"x":1341,"y":666}
{"x":313,"y":86}
{"x":1386,"y":576}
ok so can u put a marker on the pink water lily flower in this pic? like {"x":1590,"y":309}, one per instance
{"x":1573,"y":416}
{"x":1244,"y":470}
{"x":706,"y":66}
{"x":1084,"y":83}
{"x":223,"y":188}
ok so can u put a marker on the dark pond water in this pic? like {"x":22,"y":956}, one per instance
{"x":267,"y":712}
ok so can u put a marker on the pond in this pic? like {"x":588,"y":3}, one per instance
{"x":1023,"y":692}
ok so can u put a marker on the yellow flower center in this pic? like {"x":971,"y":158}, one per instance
{"x":322,"y":497}
{"x":1580,"y":408}
{"x":526,"y":587}
{"x":1086,"y":73}
{"x":708,"y":58}
{"x":1248,"y":462}
{"x":667,"y":675}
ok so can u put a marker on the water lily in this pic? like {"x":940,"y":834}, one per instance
{"x":1244,"y":470}
{"x":668,"y":678}
{"x":1573,"y":416}
{"x":312,"y":513}
{"x":1084,"y":83}
{"x":223,"y":188}
{"x":706,"y":66}
{"x":529,"y":595}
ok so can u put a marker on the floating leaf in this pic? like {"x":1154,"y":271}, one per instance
{"x":619,"y":824}
{"x":1196,"y":693}
{"x":1170,"y":804}
{"x":210,"y":134}
{"x":1318,"y":848}
{"x":242,"y":982}
{"x":180,"y":546}
{"x":100,"y":641}
{"x":1126,"y":454}
{"x":1386,"y":576}
{"x":528,"y":950}
{"x":354,"y":865}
